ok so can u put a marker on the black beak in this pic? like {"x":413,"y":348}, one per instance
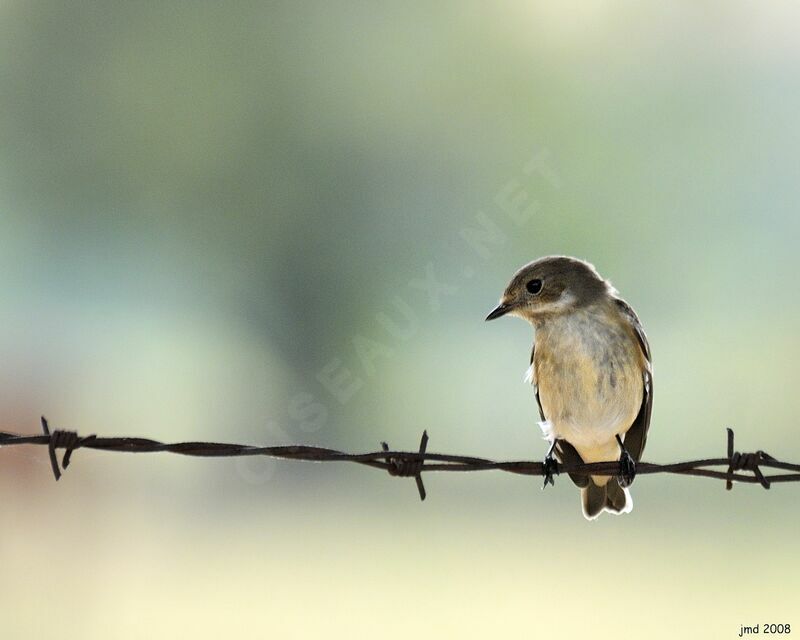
{"x":499,"y":310}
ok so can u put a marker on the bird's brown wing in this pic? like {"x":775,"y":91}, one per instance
{"x":636,"y":436}
{"x":536,"y":386}
{"x":565,"y":452}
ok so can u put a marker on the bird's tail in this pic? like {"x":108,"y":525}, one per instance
{"x":610,"y":497}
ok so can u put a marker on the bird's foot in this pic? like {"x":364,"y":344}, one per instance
{"x":627,"y":467}
{"x":550,"y":465}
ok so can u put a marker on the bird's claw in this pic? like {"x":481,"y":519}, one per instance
{"x":550,"y":465}
{"x":627,"y":469}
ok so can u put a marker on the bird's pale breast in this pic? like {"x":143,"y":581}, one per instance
{"x":588,"y":368}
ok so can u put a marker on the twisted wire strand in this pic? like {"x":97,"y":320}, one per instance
{"x":740,"y":467}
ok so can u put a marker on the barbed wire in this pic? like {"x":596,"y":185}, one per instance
{"x":740,"y":467}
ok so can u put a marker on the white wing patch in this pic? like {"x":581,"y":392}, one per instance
{"x":528,"y":379}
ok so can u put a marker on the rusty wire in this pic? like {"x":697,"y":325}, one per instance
{"x":740,"y":467}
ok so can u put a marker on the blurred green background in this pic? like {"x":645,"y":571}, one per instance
{"x":220,"y":221}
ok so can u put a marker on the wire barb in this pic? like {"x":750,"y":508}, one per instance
{"x":746,"y":462}
{"x":60,"y":439}
{"x":408,"y":467}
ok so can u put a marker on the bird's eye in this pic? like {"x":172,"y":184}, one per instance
{"x":534,"y":286}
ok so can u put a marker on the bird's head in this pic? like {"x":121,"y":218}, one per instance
{"x":550,"y":286}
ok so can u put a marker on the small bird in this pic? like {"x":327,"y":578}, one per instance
{"x":591,"y":373}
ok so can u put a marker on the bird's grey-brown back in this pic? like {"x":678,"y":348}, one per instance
{"x":590,"y":367}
